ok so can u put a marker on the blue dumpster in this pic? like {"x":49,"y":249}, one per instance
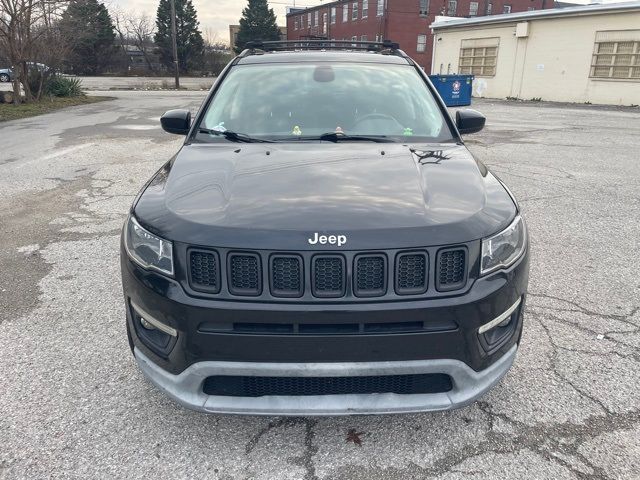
{"x":455,"y":90}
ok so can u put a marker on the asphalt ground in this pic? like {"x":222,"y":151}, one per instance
{"x":74,"y":405}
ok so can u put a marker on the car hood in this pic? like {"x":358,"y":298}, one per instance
{"x":276,"y":196}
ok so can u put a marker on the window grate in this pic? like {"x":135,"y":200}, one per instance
{"x":616,"y":60}
{"x":478,"y":61}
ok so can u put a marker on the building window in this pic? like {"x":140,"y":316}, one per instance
{"x":354,"y":11}
{"x":473,"y":9}
{"x":296,"y":23}
{"x":324,"y":23}
{"x":365,"y":8}
{"x":489,"y":8}
{"x":616,"y":54}
{"x":424,"y":7}
{"x":479,"y":57}
{"x":345,"y":13}
{"x":530,"y":9}
{"x":452,"y":8}
{"x":309,"y":20}
{"x":316,"y":17}
{"x":506,"y":9}
{"x":380,"y":9}
{"x":333,"y":15}
{"x":422,"y":43}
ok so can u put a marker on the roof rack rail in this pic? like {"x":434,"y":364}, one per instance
{"x":258,"y":46}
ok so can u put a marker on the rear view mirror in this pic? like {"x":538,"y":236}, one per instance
{"x":469,"y":121}
{"x":176,"y":121}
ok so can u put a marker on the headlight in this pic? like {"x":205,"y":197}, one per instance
{"x":504,"y":248}
{"x":147,"y":249}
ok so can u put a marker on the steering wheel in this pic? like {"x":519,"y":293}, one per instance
{"x":377,"y":116}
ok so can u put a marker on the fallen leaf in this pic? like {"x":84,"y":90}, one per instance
{"x":354,"y":437}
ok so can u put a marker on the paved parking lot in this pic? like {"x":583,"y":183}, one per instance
{"x":73,"y":404}
{"x":137,"y":83}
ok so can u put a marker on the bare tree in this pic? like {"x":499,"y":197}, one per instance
{"x":26,"y":27}
{"x":141,"y":29}
{"x":136,"y":30}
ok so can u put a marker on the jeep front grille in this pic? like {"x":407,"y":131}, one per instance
{"x":313,"y":276}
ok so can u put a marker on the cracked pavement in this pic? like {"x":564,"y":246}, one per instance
{"x":73,"y":404}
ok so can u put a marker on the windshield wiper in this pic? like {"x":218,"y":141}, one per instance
{"x":336,"y":137}
{"x":233,"y":136}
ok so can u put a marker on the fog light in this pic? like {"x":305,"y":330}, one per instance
{"x":145,"y":324}
{"x":501,"y":321}
{"x":150,"y":323}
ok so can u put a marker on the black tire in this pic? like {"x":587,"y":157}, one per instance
{"x":4,"y":77}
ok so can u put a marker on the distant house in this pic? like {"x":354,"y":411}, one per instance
{"x":233,"y":34}
{"x":142,"y":59}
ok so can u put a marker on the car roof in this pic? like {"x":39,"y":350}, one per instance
{"x":329,"y":56}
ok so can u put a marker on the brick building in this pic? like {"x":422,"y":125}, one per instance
{"x":403,"y":21}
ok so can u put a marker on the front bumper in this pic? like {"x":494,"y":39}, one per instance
{"x":186,"y":388}
{"x":454,"y":346}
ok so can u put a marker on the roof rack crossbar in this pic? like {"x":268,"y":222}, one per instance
{"x":258,"y":46}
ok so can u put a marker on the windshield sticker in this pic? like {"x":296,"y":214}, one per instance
{"x":339,"y":130}
{"x":296,"y":131}
{"x":408,"y":132}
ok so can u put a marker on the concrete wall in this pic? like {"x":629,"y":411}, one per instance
{"x":552,"y":63}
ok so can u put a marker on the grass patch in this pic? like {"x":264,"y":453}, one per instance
{"x":46,"y":105}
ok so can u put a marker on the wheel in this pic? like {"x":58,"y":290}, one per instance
{"x":4,"y":77}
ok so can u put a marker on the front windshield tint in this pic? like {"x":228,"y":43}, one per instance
{"x":297,"y":102}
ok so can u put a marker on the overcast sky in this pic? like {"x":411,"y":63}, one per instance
{"x":215,"y":15}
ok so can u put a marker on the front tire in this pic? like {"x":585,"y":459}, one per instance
{"x":4,"y":78}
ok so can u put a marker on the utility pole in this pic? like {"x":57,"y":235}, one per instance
{"x":174,"y":40}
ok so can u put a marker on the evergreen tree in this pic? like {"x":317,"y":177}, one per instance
{"x":88,"y":30}
{"x":258,"y":22}
{"x":189,"y":38}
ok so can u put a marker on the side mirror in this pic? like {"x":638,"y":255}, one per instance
{"x":176,"y":121}
{"x":469,"y":121}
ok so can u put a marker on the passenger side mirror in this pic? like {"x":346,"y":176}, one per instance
{"x":469,"y":121}
{"x":176,"y":121}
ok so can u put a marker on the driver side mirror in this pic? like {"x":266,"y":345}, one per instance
{"x":469,"y":121}
{"x":176,"y":121}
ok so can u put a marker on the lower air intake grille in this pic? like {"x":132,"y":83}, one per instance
{"x":286,"y":276}
{"x":370,"y":276}
{"x":452,"y":269}
{"x":245,"y":274}
{"x":328,"y":276}
{"x":235,"y":386}
{"x":411,"y":273}
{"x":204,"y":272}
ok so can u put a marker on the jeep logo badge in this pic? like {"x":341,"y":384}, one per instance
{"x":338,"y":240}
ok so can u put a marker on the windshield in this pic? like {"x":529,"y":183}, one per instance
{"x":286,"y":102}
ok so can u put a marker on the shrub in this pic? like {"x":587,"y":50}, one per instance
{"x":58,"y":86}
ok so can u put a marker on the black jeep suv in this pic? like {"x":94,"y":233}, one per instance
{"x":324,"y":243}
